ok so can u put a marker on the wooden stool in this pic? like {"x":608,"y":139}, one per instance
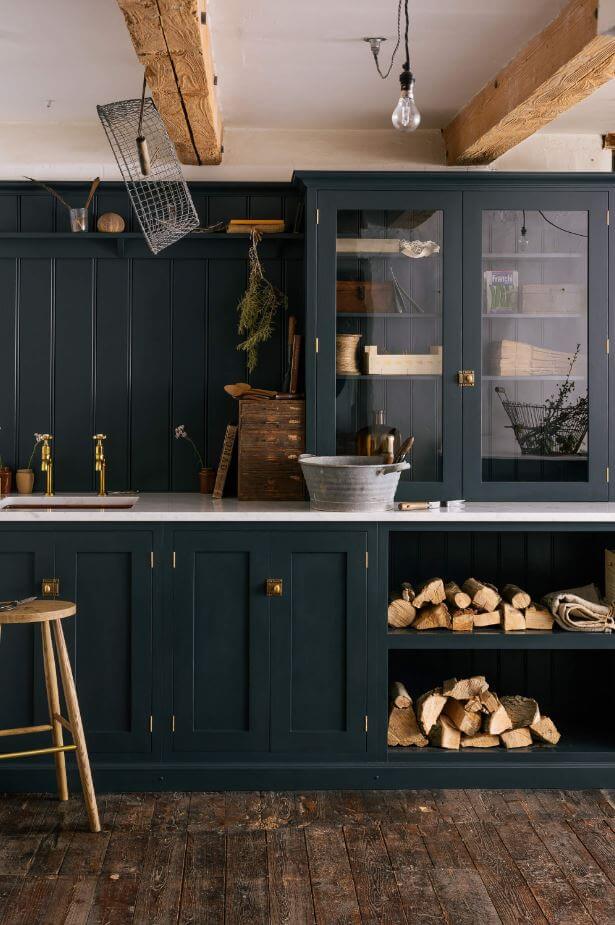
{"x":49,"y":613}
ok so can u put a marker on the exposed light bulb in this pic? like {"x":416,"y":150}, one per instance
{"x":406,"y":116}
{"x":523,"y":239}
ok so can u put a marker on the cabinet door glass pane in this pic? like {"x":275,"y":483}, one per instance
{"x":534,"y":346}
{"x":389,"y":335}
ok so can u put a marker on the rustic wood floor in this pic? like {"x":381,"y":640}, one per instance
{"x":418,"y":856}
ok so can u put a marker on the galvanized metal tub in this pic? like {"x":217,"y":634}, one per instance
{"x":351,"y":483}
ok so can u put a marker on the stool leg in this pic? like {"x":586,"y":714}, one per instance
{"x":74,"y":717}
{"x":53,"y":700}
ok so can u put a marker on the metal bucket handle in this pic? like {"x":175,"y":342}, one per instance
{"x":392,"y":467}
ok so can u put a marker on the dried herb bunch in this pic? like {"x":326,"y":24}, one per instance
{"x":565,"y":424}
{"x":257,"y":307}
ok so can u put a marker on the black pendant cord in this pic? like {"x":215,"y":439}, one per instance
{"x":578,"y":234}
{"x":397,"y":43}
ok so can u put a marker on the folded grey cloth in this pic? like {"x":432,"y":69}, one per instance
{"x":581,"y":609}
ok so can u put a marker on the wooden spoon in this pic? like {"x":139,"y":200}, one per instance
{"x":404,"y":450}
{"x":245,"y":390}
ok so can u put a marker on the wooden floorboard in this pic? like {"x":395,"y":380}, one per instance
{"x":431,"y":857}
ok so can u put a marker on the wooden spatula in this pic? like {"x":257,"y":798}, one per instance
{"x":245,"y":390}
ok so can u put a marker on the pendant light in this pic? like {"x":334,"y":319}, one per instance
{"x":406,"y":116}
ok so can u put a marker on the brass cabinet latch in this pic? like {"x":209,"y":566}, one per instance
{"x":465,"y":378}
{"x":274,"y":587}
{"x":50,"y":587}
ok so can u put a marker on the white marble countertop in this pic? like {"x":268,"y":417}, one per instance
{"x":195,"y":508}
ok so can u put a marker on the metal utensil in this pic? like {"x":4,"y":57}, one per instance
{"x":14,"y":605}
{"x":404,"y":450}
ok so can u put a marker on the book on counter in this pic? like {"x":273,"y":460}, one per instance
{"x":262,"y":225}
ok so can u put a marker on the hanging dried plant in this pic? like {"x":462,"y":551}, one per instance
{"x":257,"y":307}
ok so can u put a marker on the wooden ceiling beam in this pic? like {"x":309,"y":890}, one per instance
{"x":174,"y":47}
{"x":563,"y":64}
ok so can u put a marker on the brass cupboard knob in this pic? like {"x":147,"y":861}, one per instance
{"x":274,"y":587}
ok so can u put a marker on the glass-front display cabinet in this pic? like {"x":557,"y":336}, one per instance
{"x":389,"y":312}
{"x":471,"y":314}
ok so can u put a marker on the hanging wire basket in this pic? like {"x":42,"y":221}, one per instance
{"x":543,"y":431}
{"x":161,"y":199}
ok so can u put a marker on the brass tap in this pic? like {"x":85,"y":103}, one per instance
{"x":47,"y":464}
{"x":100,"y":463}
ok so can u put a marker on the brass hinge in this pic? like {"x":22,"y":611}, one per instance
{"x":366,"y":722}
{"x":315,"y":345}
{"x":173,"y":559}
{"x":366,"y":559}
{"x":607,"y":473}
{"x":466,"y":378}
{"x":50,"y":587}
{"x":608,"y":216}
{"x":151,"y":724}
{"x":173,"y":723}
{"x":151,"y":559}
{"x":317,"y":216}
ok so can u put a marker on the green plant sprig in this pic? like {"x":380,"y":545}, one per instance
{"x":257,"y":307}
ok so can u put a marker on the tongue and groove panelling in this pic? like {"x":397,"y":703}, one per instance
{"x":130,"y":346}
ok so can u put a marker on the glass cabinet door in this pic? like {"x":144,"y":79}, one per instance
{"x":535,"y":327}
{"x":389,"y":316}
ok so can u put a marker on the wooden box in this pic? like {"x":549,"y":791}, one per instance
{"x":364,"y":298}
{"x":551,"y":298}
{"x":402,"y":364}
{"x":271,"y":438}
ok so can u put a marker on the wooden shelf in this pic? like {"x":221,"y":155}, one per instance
{"x":527,"y":315}
{"x":369,"y":315}
{"x":496,"y":639}
{"x":514,"y":256}
{"x":374,"y":377}
{"x":533,"y":378}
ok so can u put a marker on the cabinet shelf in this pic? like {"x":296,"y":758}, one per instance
{"x":378,"y":378}
{"x":514,"y":256}
{"x":533,"y":378}
{"x":532,"y":315}
{"x":497,"y":639}
{"x":369,"y":315}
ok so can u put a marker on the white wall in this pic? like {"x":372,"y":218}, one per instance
{"x":77,"y":151}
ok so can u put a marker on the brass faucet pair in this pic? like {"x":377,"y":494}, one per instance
{"x":100,"y":463}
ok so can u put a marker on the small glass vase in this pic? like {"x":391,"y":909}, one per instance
{"x":78,"y":219}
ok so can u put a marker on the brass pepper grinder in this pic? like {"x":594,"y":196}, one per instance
{"x":100,"y":463}
{"x":47,"y":464}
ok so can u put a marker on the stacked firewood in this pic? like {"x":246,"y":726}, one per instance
{"x":444,"y":605}
{"x":466,"y":714}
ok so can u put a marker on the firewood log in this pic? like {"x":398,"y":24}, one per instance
{"x":403,"y":729}
{"x":480,"y":740}
{"x":523,"y":711}
{"x":484,"y":596}
{"x":401,"y":613}
{"x":463,"y":621}
{"x":473,"y":705}
{"x":433,"y":618}
{"x":463,"y":690}
{"x":545,"y":730}
{"x":538,"y":617}
{"x":488,"y":618}
{"x":510,"y":618}
{"x":517,"y":738}
{"x":399,"y":695}
{"x":407,"y":592}
{"x":489,"y":700}
{"x":429,"y":706}
{"x":466,"y":722}
{"x":432,"y":592}
{"x":515,"y":596}
{"x":455,"y":596}
{"x":497,"y":722}
{"x":444,"y":734}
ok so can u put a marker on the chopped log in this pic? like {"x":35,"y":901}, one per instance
{"x":481,"y":740}
{"x":466,"y":722}
{"x":517,"y":738}
{"x":489,"y":700}
{"x":474,"y":705}
{"x":445,"y":735}
{"x":429,"y":706}
{"x":510,"y":618}
{"x":407,"y":591}
{"x":484,"y":596}
{"x":538,"y":617}
{"x":515,"y":596}
{"x":403,"y":728}
{"x":497,"y":722}
{"x":463,"y":690}
{"x":400,"y":613}
{"x":489,"y":618}
{"x":432,"y":592}
{"x":433,"y":618}
{"x":455,"y":596}
{"x":399,"y":695}
{"x":523,"y":711}
{"x":463,"y":621}
{"x":545,"y":730}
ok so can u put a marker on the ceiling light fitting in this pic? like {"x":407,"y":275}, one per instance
{"x":406,"y":116}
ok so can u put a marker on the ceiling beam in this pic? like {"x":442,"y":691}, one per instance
{"x":174,"y":47}
{"x":568,"y":60}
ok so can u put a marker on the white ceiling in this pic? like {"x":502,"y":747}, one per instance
{"x":281,"y":63}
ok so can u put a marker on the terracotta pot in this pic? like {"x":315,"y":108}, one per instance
{"x":207,"y":480}
{"x":6,"y":480}
{"x":24,"y":481}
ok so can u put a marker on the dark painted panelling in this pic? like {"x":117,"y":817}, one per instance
{"x":129,"y":347}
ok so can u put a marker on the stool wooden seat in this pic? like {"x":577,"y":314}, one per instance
{"x":50,"y":613}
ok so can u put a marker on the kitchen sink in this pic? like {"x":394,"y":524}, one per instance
{"x":83,"y":502}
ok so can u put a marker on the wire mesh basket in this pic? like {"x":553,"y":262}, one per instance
{"x":161,"y":200}
{"x":546,"y":430}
